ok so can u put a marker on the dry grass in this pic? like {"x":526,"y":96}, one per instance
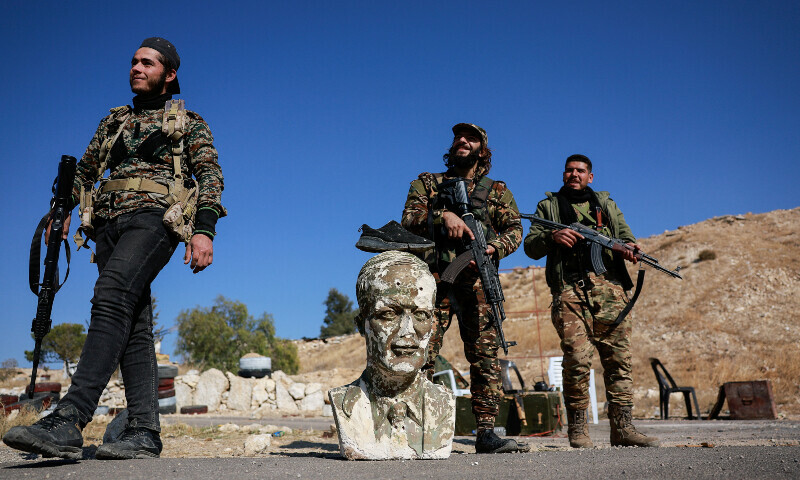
{"x":18,"y":418}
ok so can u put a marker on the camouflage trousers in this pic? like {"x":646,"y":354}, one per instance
{"x":584,"y":326}
{"x":480,"y":345}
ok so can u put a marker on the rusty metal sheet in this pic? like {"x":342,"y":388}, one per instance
{"x":750,"y":400}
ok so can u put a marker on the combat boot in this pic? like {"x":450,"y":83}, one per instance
{"x":135,"y":442}
{"x":489,"y":442}
{"x":56,"y":435}
{"x":578,"y":429}
{"x":623,"y":433}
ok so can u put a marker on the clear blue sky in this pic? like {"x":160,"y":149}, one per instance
{"x":323,"y":112}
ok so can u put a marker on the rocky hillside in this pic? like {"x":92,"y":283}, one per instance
{"x":733,"y":317}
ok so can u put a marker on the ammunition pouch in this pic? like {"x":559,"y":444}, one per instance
{"x":179,"y":217}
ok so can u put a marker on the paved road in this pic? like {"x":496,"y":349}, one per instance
{"x":734,"y":449}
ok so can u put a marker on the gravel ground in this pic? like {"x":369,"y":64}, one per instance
{"x":311,"y":438}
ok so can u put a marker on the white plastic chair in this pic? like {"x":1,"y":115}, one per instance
{"x":555,"y":375}
{"x":458,"y":392}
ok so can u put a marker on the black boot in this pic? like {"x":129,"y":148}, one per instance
{"x":489,"y":442}
{"x":56,"y":435}
{"x":391,"y":236}
{"x":135,"y":442}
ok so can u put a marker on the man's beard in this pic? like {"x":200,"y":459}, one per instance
{"x":462,"y":162}
{"x":154,"y":86}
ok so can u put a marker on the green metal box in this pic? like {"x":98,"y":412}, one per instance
{"x":543,"y":413}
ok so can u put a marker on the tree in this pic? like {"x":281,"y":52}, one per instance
{"x":63,"y":343}
{"x":339,"y":315}
{"x":217,"y":337}
{"x":159,"y":332}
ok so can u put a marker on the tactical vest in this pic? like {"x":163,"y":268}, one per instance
{"x":181,"y":200}
{"x":446,"y":248}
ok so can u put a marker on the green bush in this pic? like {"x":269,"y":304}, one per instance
{"x":218,"y":336}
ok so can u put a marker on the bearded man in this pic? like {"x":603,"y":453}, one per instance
{"x":429,"y":212}
{"x":152,"y":153}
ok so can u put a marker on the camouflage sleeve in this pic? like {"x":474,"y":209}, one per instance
{"x":505,"y":219}
{"x":539,"y":241}
{"x":87,"y":172}
{"x":415,"y":212}
{"x":199,"y":144}
{"x":623,"y":230}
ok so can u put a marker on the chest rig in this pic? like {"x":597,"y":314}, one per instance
{"x":180,"y":198}
{"x":442,"y":197}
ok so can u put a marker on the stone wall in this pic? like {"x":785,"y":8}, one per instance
{"x":226,"y":392}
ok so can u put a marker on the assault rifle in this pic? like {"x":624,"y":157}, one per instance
{"x":476,"y":250}
{"x":46,"y":291}
{"x":599,"y":241}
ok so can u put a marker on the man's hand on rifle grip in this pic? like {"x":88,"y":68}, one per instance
{"x":64,"y":232}
{"x":566,"y":237}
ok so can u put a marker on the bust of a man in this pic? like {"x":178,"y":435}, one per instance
{"x":393,"y":411}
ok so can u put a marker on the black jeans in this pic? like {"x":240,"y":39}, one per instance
{"x":131,"y":249}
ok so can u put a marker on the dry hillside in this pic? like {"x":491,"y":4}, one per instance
{"x":733,"y":316}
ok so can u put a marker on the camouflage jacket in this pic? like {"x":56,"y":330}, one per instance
{"x":501,"y":221}
{"x":539,"y":241}
{"x":143,"y":151}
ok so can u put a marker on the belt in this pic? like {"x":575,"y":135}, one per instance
{"x":136,"y":184}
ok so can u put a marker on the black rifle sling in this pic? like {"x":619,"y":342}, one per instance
{"x":629,"y":306}
{"x":35,"y":259}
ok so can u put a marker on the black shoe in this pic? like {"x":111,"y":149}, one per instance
{"x":489,"y":442}
{"x":56,"y":435}
{"x":135,"y":442}
{"x":391,"y":236}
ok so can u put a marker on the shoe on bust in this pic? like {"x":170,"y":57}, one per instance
{"x":135,"y":442}
{"x":391,"y":236}
{"x":56,"y":435}
{"x":489,"y":442}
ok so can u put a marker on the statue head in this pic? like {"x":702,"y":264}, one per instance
{"x":396,"y":294}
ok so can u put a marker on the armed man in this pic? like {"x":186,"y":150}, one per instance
{"x":587,"y":307}
{"x":136,"y":216}
{"x":429,"y":212}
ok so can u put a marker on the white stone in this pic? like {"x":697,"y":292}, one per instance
{"x":265,"y":410}
{"x":184,"y":395}
{"x":281,"y":377}
{"x":260,"y":394}
{"x":255,"y":444}
{"x":210,"y":386}
{"x":269,"y":428}
{"x":284,"y":401}
{"x":229,"y":428}
{"x":313,"y":402}
{"x":252,"y":428}
{"x":297,"y":390}
{"x":193,"y":372}
{"x":269,"y":384}
{"x":327,"y":410}
{"x":189,"y":379}
{"x":313,"y":388}
{"x":239,"y":394}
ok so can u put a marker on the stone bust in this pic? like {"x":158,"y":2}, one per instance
{"x":393,"y":411}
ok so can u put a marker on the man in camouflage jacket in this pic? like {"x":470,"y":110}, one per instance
{"x":586,"y":306}
{"x":427,"y":213}
{"x":133,"y":245}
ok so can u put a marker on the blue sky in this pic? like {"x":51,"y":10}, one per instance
{"x":323,"y":112}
